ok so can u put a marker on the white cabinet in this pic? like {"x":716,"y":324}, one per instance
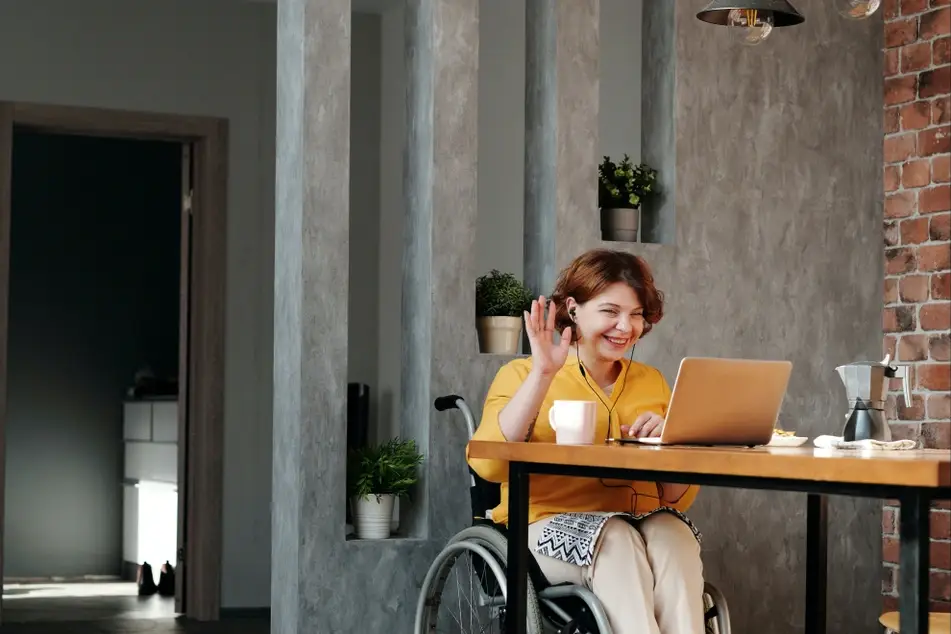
{"x":150,"y":524}
{"x":150,"y":421}
{"x":150,"y":473}
{"x":151,"y":462}
{"x":165,"y":421}
{"x":150,"y":434}
{"x":130,"y":524}
{"x":137,"y":421}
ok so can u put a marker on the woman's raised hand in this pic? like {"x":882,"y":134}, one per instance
{"x":547,"y":356}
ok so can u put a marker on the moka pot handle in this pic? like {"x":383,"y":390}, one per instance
{"x":901,"y":371}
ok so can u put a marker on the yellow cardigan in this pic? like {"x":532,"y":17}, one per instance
{"x":645,"y":390}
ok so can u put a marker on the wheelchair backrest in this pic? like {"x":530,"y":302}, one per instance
{"x":483,"y":495}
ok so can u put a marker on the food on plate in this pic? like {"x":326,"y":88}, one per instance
{"x":783,"y":432}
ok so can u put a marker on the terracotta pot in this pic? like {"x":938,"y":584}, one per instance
{"x":619,"y":225}
{"x":499,"y":335}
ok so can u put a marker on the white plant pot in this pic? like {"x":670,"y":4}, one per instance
{"x":372,"y":515}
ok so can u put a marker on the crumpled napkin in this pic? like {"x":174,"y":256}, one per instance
{"x":836,"y":442}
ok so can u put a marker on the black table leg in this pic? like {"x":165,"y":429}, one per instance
{"x":913,"y":563}
{"x":816,"y":563}
{"x":517,"y":558}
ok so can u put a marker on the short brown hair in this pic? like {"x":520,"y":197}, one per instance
{"x":592,"y":272}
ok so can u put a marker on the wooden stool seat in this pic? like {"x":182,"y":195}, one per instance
{"x":938,"y":622}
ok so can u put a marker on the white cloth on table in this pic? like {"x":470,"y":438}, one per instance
{"x":836,"y":442}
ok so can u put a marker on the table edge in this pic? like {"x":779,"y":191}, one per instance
{"x":930,"y":474}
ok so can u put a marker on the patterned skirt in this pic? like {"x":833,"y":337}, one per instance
{"x":571,"y":537}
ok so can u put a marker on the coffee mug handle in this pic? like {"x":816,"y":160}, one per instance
{"x":551,"y":418}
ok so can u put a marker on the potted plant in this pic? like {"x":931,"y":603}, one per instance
{"x":500,"y":301}
{"x":376,"y":476}
{"x":621,"y":189}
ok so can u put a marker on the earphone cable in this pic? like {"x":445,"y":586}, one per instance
{"x":634,"y":494}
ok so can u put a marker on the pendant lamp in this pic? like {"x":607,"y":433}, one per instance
{"x":751,"y":21}
{"x":857,"y":9}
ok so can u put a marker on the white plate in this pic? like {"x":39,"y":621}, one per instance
{"x":787,"y":441}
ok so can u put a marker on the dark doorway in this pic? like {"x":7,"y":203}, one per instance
{"x":93,"y":311}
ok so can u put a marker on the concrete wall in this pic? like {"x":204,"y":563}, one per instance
{"x":93,"y":298}
{"x":777,"y":253}
{"x":501,"y":157}
{"x":215,"y":57}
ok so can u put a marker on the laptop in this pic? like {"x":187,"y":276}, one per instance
{"x":723,"y":402}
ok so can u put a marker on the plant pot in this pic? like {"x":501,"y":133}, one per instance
{"x":619,"y":225}
{"x":499,"y":335}
{"x":372,"y":515}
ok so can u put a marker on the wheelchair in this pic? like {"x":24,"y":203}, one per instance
{"x":469,"y":575}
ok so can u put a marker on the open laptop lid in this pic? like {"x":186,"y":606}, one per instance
{"x":725,"y":401}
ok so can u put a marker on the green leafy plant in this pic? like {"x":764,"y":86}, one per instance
{"x":390,"y":468}
{"x":501,"y":295}
{"x":624,"y":185}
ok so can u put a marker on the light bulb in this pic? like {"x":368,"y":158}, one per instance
{"x":750,"y":26}
{"x":857,"y":9}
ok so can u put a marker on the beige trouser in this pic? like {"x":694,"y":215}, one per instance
{"x":649,"y":579}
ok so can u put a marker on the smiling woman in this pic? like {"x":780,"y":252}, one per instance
{"x":628,"y":541}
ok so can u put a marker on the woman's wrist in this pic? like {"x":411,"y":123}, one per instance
{"x":542,"y":377}
{"x":517,"y":419}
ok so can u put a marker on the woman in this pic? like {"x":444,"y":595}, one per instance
{"x":635,"y":549}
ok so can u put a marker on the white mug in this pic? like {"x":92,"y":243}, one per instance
{"x":574,"y":422}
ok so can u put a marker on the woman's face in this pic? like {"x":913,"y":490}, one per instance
{"x":610,"y":323}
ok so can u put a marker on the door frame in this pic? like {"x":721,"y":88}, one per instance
{"x":206,"y":327}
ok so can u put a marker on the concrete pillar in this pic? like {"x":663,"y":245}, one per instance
{"x":658,"y":127}
{"x":308,"y":561}
{"x":320,"y":581}
{"x":561,"y":134}
{"x":438,"y":307}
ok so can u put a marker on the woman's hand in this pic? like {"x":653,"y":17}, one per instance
{"x":518,"y":416}
{"x":646,"y":425}
{"x":547,"y":356}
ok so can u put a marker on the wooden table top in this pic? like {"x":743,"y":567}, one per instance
{"x":915,"y":468}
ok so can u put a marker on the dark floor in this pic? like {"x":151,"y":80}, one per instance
{"x":140,"y":626}
{"x":107,"y":609}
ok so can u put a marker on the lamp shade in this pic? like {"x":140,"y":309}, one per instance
{"x":783,"y":13}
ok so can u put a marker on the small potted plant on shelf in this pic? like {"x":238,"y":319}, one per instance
{"x":622,"y":187}
{"x":376,"y":476}
{"x":500,"y":301}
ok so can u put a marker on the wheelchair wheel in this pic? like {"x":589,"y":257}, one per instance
{"x":464,"y":590}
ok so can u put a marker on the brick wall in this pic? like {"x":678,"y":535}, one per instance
{"x":917,"y":315}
